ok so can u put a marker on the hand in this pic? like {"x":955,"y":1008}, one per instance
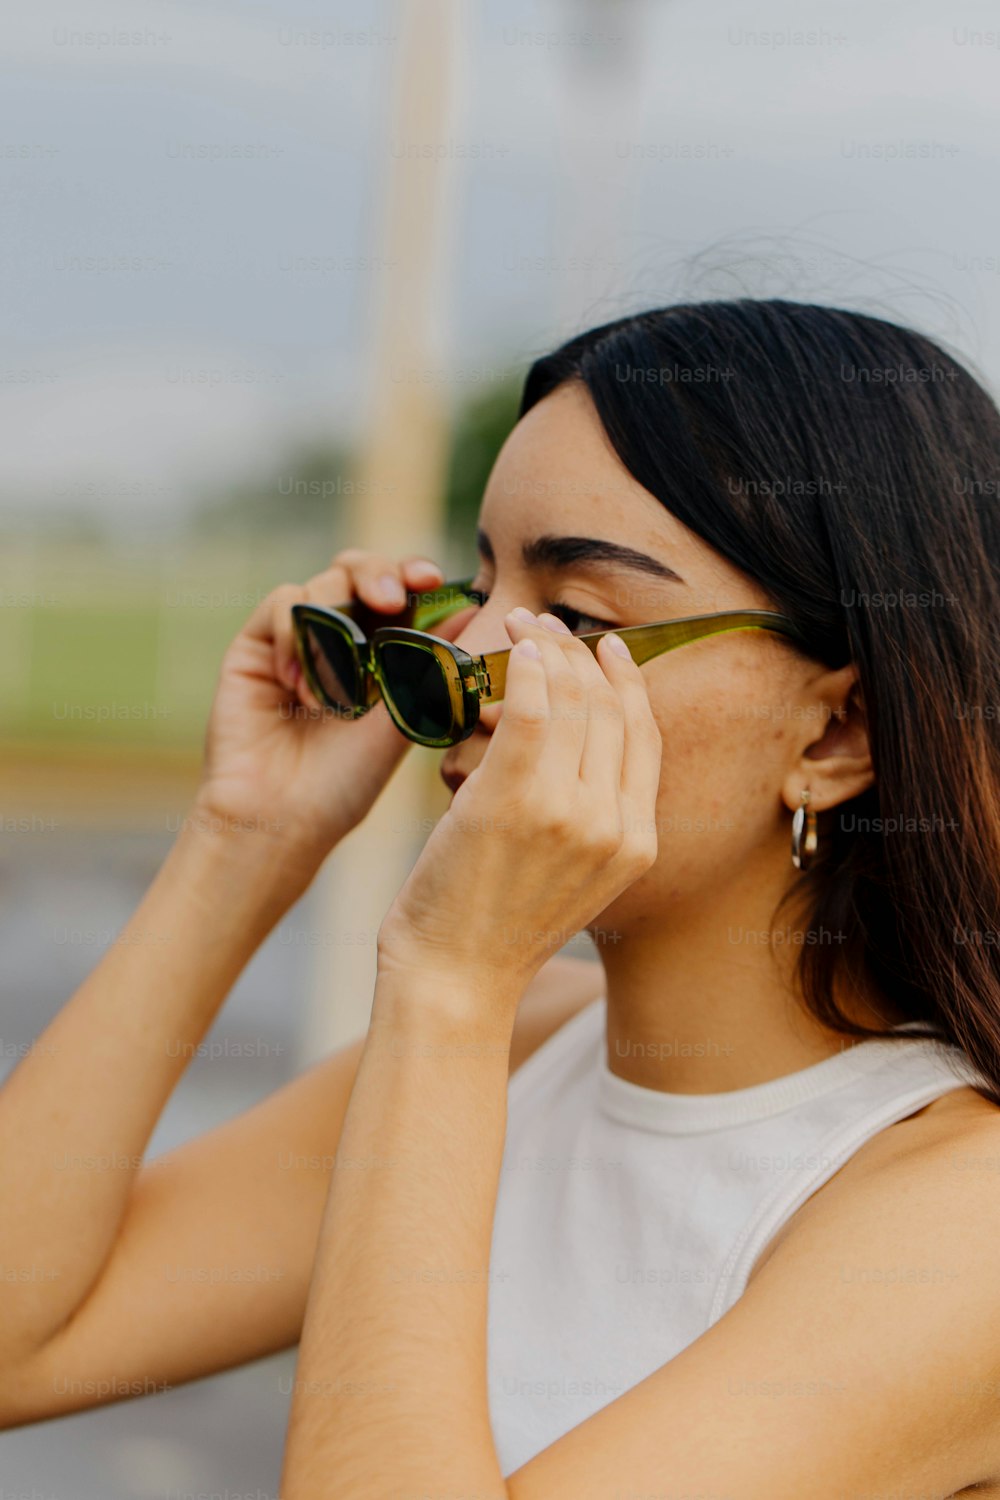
{"x":556,"y":821}
{"x":275,"y":759}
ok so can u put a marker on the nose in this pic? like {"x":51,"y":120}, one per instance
{"x":486,"y":632}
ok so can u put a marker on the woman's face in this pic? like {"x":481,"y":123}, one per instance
{"x":733,"y":710}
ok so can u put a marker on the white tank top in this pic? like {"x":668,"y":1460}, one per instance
{"x":628,"y":1220}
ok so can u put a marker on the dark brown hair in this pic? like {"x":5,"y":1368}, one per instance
{"x":852,"y":468}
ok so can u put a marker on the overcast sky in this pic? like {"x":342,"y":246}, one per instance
{"x":190,"y":252}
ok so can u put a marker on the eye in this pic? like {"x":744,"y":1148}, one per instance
{"x":576,"y":620}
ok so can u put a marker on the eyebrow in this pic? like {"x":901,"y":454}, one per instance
{"x":571,"y":551}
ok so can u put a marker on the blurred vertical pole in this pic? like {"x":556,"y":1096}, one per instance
{"x":398,"y":508}
{"x":599,"y":110}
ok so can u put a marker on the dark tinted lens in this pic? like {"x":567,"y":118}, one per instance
{"x":415,"y":680}
{"x":333,"y":662}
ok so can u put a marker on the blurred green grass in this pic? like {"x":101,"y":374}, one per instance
{"x":109,"y":650}
{"x":112,"y":641}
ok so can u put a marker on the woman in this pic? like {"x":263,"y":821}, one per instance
{"x":735,"y":1234}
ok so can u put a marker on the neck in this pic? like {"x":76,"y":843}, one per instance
{"x":707,"y":1000}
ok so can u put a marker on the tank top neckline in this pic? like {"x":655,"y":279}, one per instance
{"x":694,"y":1114}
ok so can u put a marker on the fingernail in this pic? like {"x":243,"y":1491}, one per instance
{"x":553,"y":622}
{"x":293,"y":674}
{"x":391,"y":589}
{"x":528,"y":649}
{"x":617,"y":645}
{"x":520,"y":613}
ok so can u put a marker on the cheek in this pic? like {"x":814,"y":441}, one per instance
{"x":719,"y":800}
{"x":723,"y":760}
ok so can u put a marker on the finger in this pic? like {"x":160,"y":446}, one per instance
{"x":419,"y":574}
{"x":643,"y":743}
{"x":604,"y":732}
{"x":271,"y":625}
{"x":331,"y":587}
{"x":568,"y":696}
{"x":328,"y":589}
{"x":513,"y":751}
{"x":604,"y":748}
{"x":363,"y":575}
{"x":374,"y":579}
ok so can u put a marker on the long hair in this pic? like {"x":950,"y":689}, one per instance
{"x":852,"y":469}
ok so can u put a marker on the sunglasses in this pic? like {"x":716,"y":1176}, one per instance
{"x":433,"y":689}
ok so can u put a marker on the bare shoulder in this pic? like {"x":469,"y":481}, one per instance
{"x":863,"y":1360}
{"x":558,"y":991}
{"x":945,"y":1157}
{"x":894,"y":1260}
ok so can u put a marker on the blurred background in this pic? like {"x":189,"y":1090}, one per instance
{"x":272,"y":273}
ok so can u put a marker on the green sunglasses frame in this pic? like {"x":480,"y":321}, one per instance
{"x":472,"y":680}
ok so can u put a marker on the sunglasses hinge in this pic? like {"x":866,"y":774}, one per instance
{"x":480,"y":676}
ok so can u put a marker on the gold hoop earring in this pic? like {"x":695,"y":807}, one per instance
{"x":804,"y":839}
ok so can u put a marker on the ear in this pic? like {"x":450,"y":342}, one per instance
{"x":836,"y":764}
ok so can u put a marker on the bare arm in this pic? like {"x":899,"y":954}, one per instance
{"x":212,"y":1255}
{"x":77,"y":1113}
{"x":280,"y":788}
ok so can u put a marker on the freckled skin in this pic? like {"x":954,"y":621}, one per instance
{"x":724,"y":760}
{"x":730,"y":777}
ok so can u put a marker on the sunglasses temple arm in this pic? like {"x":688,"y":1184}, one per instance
{"x":644,"y":642}
{"x":437,"y":604}
{"x":491,"y":670}
{"x":428,"y":607}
